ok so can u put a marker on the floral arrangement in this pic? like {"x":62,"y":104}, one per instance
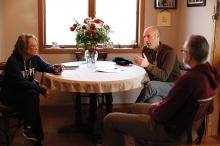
{"x":91,"y":33}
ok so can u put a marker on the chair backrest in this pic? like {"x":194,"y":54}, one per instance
{"x":183,"y":66}
{"x":101,"y":55}
{"x":198,"y":125}
{"x":2,"y":67}
{"x":79,"y":55}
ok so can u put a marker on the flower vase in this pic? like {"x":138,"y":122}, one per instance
{"x":91,"y":58}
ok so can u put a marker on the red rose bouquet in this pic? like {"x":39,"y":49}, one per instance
{"x":91,"y":33}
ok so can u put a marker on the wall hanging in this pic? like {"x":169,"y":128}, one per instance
{"x":164,"y":18}
{"x":196,"y":3}
{"x":165,"y":4}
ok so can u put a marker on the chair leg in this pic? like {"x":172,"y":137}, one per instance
{"x":7,"y":126}
{"x":108,"y":104}
{"x":103,"y":102}
{"x":200,"y":133}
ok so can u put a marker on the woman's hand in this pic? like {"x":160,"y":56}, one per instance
{"x":63,"y":68}
{"x":58,"y":68}
{"x":48,"y":94}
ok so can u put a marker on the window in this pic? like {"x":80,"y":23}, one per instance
{"x":60,"y":16}
{"x":56,"y":17}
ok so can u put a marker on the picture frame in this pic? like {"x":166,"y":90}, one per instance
{"x":165,"y":4}
{"x":196,"y":3}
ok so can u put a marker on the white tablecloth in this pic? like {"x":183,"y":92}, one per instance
{"x":89,"y":80}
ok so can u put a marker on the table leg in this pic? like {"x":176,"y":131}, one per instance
{"x":94,"y":115}
{"x":93,"y":120}
{"x":78,"y":127}
{"x":78,"y":114}
{"x":108,"y":104}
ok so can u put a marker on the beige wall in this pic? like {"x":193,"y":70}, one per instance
{"x":18,"y":16}
{"x":196,"y":20}
{"x":169,"y":34}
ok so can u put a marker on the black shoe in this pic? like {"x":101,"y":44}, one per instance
{"x":36,"y":143}
{"x":29,"y":134}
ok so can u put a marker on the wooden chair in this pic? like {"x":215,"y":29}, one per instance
{"x":183,"y":66}
{"x":194,"y":126}
{"x":7,"y":112}
{"x":79,"y":56}
{"x":101,"y":56}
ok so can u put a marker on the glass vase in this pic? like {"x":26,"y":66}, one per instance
{"x":91,"y":58}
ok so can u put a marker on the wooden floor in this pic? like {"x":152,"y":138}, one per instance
{"x":54,"y":117}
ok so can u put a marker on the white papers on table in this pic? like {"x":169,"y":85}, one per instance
{"x":70,"y":65}
{"x":108,"y":69}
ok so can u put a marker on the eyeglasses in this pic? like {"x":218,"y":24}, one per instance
{"x":34,"y":46}
{"x":184,"y":51}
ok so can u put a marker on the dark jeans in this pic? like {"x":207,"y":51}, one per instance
{"x":28,"y":103}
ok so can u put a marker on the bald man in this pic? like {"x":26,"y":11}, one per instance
{"x":161,"y":65}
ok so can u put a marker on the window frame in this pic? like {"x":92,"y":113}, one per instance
{"x":68,"y":50}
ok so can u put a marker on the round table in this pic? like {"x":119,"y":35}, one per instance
{"x":89,"y":80}
{"x":106,"y":77}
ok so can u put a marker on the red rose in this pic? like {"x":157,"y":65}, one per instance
{"x":92,"y":26}
{"x":90,"y":32}
{"x":85,"y":21}
{"x":75,"y":25}
{"x":107,"y":27}
{"x":98,"y":21}
{"x":72,"y":28}
{"x":83,"y":27}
